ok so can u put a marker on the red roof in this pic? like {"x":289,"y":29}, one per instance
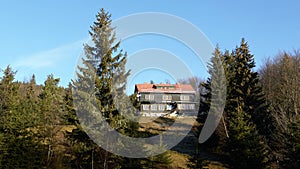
{"x":164,"y":88}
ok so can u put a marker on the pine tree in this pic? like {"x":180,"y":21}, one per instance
{"x":52,"y":112}
{"x":99,"y":92}
{"x":215,"y":94}
{"x":249,"y":90}
{"x":19,"y":148}
{"x":159,"y":161}
{"x":29,"y":105}
{"x":293,"y":156}
{"x":70,"y":117}
{"x":9,"y":101}
{"x":30,"y":151}
{"x":8,"y":115}
{"x":213,"y":97}
{"x":245,"y":111}
{"x":246,"y":146}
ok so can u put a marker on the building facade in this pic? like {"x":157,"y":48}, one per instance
{"x":162,"y":99}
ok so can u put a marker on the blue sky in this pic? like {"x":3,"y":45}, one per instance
{"x":44,"y":37}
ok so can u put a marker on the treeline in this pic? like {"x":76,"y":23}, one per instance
{"x":31,"y":116}
{"x":40,"y":126}
{"x":260,"y":122}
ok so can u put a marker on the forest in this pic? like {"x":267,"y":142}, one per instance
{"x":260,"y":126}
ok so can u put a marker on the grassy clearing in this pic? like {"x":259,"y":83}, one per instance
{"x":183,"y":152}
{"x":180,"y":161}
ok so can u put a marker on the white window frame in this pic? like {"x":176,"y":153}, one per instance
{"x":153,"y":107}
{"x":183,"y":106}
{"x":184,"y":97}
{"x":167,"y":97}
{"x":161,"y":107}
{"x":149,"y":97}
{"x":146,"y":107}
{"x":191,"y":106}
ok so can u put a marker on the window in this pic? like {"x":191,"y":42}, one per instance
{"x":154,"y":107}
{"x":191,"y":106}
{"x":167,"y":97}
{"x":161,"y":107}
{"x":149,"y":97}
{"x":145,"y":107}
{"x":182,"y":106}
{"x":184,"y":97}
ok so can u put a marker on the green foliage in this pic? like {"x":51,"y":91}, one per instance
{"x":9,"y":102}
{"x":100,"y":94}
{"x":159,"y":161}
{"x":247,"y":113}
{"x":51,"y":104}
{"x":34,"y":118}
{"x":39,"y":127}
{"x":246,"y":117}
{"x":245,"y":146}
{"x":293,"y":156}
{"x":18,"y":144}
{"x":134,"y":101}
{"x":70,"y":116}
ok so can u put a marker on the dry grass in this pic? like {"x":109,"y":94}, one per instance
{"x":215,"y":165}
{"x":160,"y":124}
{"x":180,"y":161}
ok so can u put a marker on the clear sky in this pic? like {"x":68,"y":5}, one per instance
{"x":44,"y":37}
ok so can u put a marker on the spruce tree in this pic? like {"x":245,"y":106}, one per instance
{"x":29,"y":105}
{"x":8,"y":116}
{"x":247,"y":123}
{"x":9,"y":95}
{"x":99,"y":92}
{"x":52,"y":112}
{"x":70,"y":117}
{"x":249,"y":91}
{"x":215,"y":94}
{"x":19,"y":147}
{"x":103,"y":75}
{"x":246,"y":146}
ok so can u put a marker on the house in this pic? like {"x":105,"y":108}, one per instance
{"x":163,"y":99}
